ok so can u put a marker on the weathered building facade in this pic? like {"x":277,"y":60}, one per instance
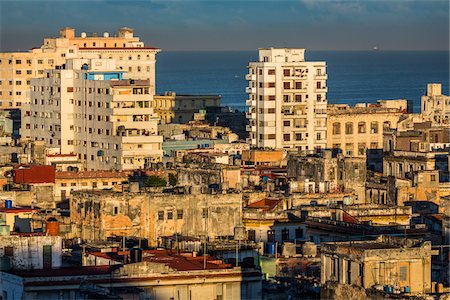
{"x":102,"y":214}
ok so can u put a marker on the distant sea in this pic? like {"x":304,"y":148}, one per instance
{"x":353,"y":76}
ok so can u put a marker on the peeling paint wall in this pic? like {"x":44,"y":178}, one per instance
{"x":28,"y":252}
{"x":98,"y":215}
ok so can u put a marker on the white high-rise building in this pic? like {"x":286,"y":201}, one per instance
{"x":88,"y":109}
{"x":287,"y":101}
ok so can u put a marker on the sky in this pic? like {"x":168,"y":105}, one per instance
{"x":236,"y":25}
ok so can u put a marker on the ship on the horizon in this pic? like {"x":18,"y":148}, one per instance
{"x":375,"y":48}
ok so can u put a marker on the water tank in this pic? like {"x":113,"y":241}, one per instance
{"x":83,"y":34}
{"x":271,"y":248}
{"x":8,"y":203}
{"x":52,"y":227}
{"x":106,"y":34}
{"x":135,"y":255}
{"x":289,"y":249}
{"x":309,"y":249}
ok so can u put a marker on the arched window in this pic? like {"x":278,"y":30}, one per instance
{"x":374,"y":127}
{"x":349,"y":128}
{"x":362,"y":127}
{"x":336,"y":128}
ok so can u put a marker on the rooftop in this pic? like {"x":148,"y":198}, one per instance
{"x":90,"y":174}
{"x":265,"y":204}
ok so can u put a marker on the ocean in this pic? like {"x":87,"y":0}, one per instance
{"x":353,"y":76}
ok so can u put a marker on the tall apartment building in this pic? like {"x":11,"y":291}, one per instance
{"x":17,"y":68}
{"x":287,"y":101}
{"x":87,"y":108}
{"x":435,"y":105}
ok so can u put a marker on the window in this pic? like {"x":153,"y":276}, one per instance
{"x":285,"y":234}
{"x":298,"y":85}
{"x":349,"y":128}
{"x":271,"y":136}
{"x":432,"y":177}
{"x":271,"y":110}
{"x":116,"y":210}
{"x":374,"y":127}
{"x":270,"y":236}
{"x":18,"y":61}
{"x":286,"y":85}
{"x":179,"y":214}
{"x":29,"y":72}
{"x":286,"y":72}
{"x":298,"y":98}
{"x":319,"y":136}
{"x":362,"y":127}
{"x":271,"y":72}
{"x":287,"y":123}
{"x":299,"y":233}
{"x":9,"y":251}
{"x":336,"y":128}
{"x":251,"y":235}
{"x":160,"y":215}
{"x":403,"y":276}
{"x":18,"y":72}
{"x":271,"y":84}
{"x":169,"y":215}
{"x":73,"y":184}
{"x":204,"y":213}
{"x":361,"y":148}
{"x":271,"y":98}
{"x":287,"y":137}
{"x":63,"y":184}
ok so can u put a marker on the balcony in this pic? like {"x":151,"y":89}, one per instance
{"x":321,"y":76}
{"x":250,"y":90}
{"x":250,"y":77}
{"x":323,"y":89}
{"x":250,"y":102}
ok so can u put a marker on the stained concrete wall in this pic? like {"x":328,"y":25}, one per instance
{"x":28,"y":251}
{"x":98,"y":215}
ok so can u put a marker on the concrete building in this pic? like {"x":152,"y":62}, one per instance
{"x":435,"y":105}
{"x":32,"y":251}
{"x":328,"y":174}
{"x":17,"y":68}
{"x":356,"y":129}
{"x":67,"y":182}
{"x":287,"y":105}
{"x":88,"y":109}
{"x":6,"y":128}
{"x":97,"y":215}
{"x":421,"y":149}
{"x":403,"y":264}
{"x":173,"y":108}
{"x":160,"y":275}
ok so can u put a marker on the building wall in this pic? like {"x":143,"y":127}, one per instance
{"x":355,"y":130}
{"x":435,"y":105}
{"x":103,"y":214}
{"x":173,"y":108}
{"x":396,"y":266}
{"x":28,"y":251}
{"x":287,"y":101}
{"x":108,"y":124}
